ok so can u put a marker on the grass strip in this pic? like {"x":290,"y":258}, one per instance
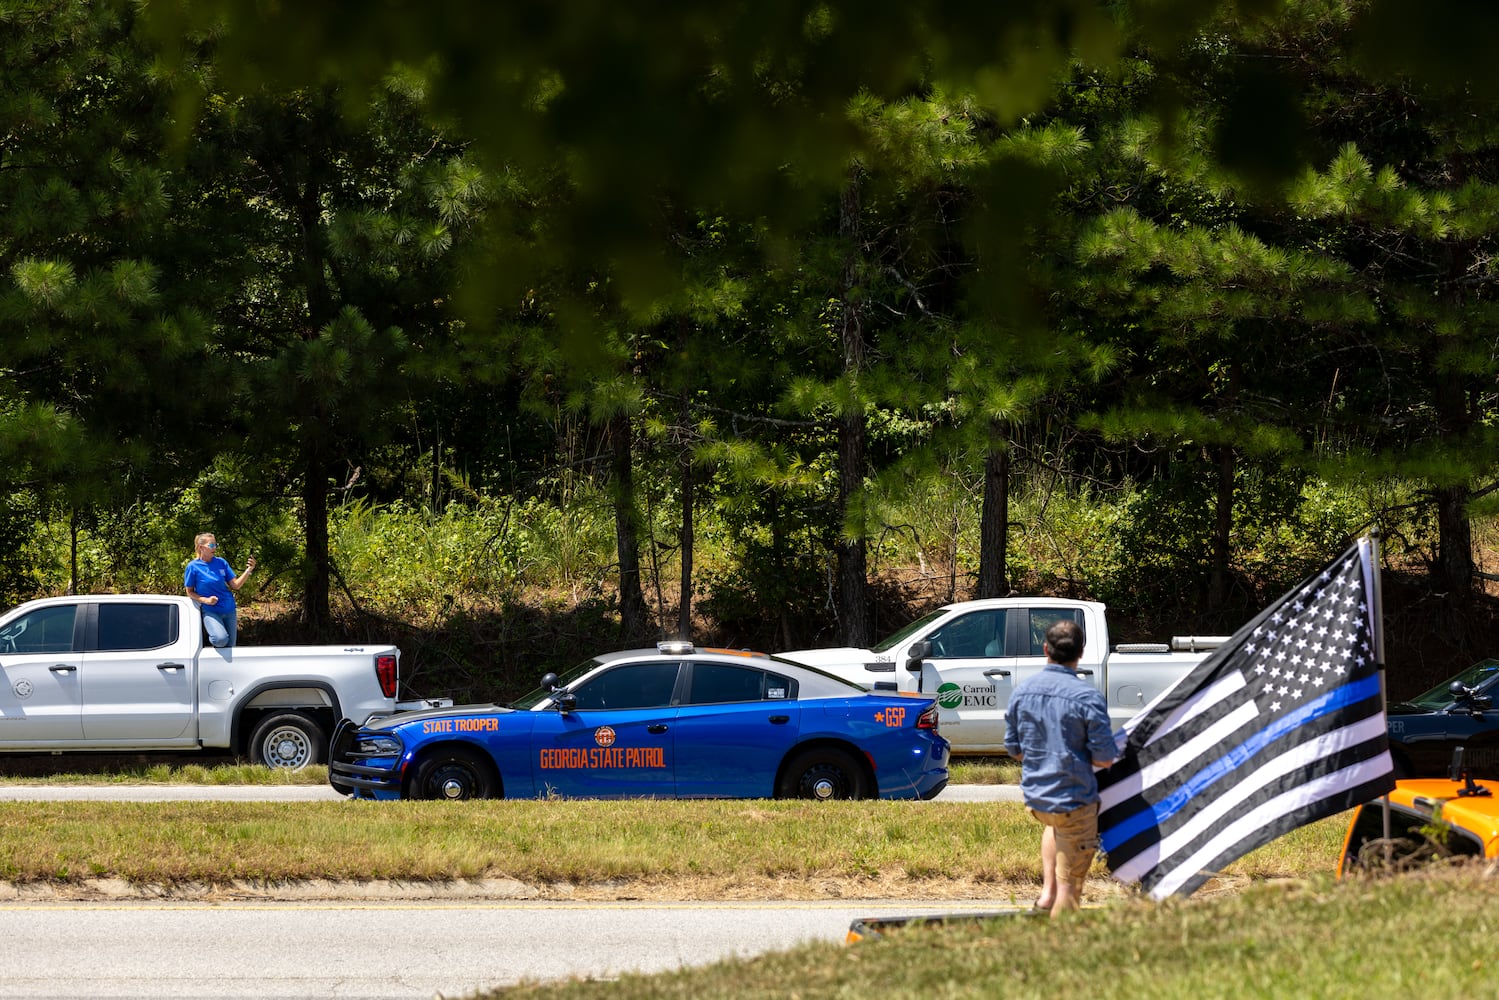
{"x":77,"y":770}
{"x":30,"y":771}
{"x":1412,"y":936}
{"x":552,"y":841}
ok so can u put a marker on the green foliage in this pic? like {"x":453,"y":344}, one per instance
{"x":403,"y":558}
{"x":21,"y":574}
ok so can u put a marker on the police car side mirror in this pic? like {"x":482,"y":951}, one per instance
{"x":920,"y":650}
{"x":1468,"y":699}
{"x":567,"y":702}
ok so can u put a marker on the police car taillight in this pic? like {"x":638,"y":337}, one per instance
{"x":385,"y":669}
{"x":927,"y":719}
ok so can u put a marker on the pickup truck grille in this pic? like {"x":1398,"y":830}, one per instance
{"x":352,"y":770}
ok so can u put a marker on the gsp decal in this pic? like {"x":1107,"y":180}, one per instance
{"x":892,"y":717}
{"x":604,"y":736}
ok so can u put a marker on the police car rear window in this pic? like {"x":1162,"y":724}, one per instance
{"x":720,"y":683}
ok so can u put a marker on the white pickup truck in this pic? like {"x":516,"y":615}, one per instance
{"x":133,"y":673}
{"x":971,"y":655}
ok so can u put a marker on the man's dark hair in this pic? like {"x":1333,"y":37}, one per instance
{"x":1065,"y":640}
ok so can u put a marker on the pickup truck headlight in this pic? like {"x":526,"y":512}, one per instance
{"x":377,"y":746}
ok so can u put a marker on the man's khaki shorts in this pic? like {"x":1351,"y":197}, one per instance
{"x":1077,"y":841}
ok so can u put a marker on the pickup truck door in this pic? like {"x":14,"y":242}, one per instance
{"x":40,"y":699}
{"x":971,"y":671}
{"x":139,"y":674}
{"x":973,"y":679}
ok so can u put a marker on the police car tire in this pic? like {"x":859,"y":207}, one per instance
{"x":306,"y":737}
{"x":823,"y":773}
{"x":463,"y":772}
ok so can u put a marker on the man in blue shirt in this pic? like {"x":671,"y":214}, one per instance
{"x":1057,"y":726}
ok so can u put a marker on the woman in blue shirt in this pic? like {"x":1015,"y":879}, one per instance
{"x":210,"y":581}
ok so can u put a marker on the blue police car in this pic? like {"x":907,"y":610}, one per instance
{"x":677,"y":721}
{"x":1459,"y":712}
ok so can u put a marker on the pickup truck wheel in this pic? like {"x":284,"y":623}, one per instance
{"x":455,"y":774}
{"x":287,"y":741}
{"x":824,"y":773}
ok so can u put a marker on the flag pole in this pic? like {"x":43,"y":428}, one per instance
{"x":1378,"y":610}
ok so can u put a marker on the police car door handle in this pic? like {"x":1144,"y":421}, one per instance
{"x":63,"y":668}
{"x":656,"y":727}
{"x":779,"y":720}
{"x":996,"y":672}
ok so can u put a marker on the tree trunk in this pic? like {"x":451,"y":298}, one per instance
{"x":994,"y":523}
{"x":626,"y":529}
{"x":316,"y":612}
{"x":1454,"y":569}
{"x":684,"y":460}
{"x":853,"y":585}
{"x":1223,"y":523}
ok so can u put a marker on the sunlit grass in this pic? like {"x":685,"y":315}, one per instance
{"x":1425,"y":936}
{"x":976,"y":848}
{"x":80,"y":770}
{"x":964,"y":771}
{"x":983,"y":771}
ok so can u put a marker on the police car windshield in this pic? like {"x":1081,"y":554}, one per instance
{"x":1476,"y":676}
{"x":535,"y":697}
{"x":891,"y":641}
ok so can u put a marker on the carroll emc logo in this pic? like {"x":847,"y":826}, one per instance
{"x":604,"y":736}
{"x":967,"y":696}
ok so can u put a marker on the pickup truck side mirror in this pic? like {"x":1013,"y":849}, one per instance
{"x":920,"y":650}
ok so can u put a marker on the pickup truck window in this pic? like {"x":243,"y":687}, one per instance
{"x":136,"y":626}
{"x":979,"y":634}
{"x":1044,"y":618}
{"x":719,"y":683}
{"x":45,"y":630}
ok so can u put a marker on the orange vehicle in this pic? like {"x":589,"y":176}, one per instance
{"x":1430,"y":819}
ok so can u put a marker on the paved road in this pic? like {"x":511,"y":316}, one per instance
{"x":382,"y":949}
{"x":323,"y":793}
{"x":388,"y":951}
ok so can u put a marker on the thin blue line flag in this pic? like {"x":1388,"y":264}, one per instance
{"x":1281,"y":726}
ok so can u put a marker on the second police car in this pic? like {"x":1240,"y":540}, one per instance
{"x":675,"y":721}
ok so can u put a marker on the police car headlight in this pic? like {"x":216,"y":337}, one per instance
{"x":377,"y":746}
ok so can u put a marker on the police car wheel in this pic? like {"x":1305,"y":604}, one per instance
{"x":824,"y":774}
{"x":287,"y":741}
{"x":455,"y":775}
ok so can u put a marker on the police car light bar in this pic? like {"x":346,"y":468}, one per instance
{"x":674,"y":647}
